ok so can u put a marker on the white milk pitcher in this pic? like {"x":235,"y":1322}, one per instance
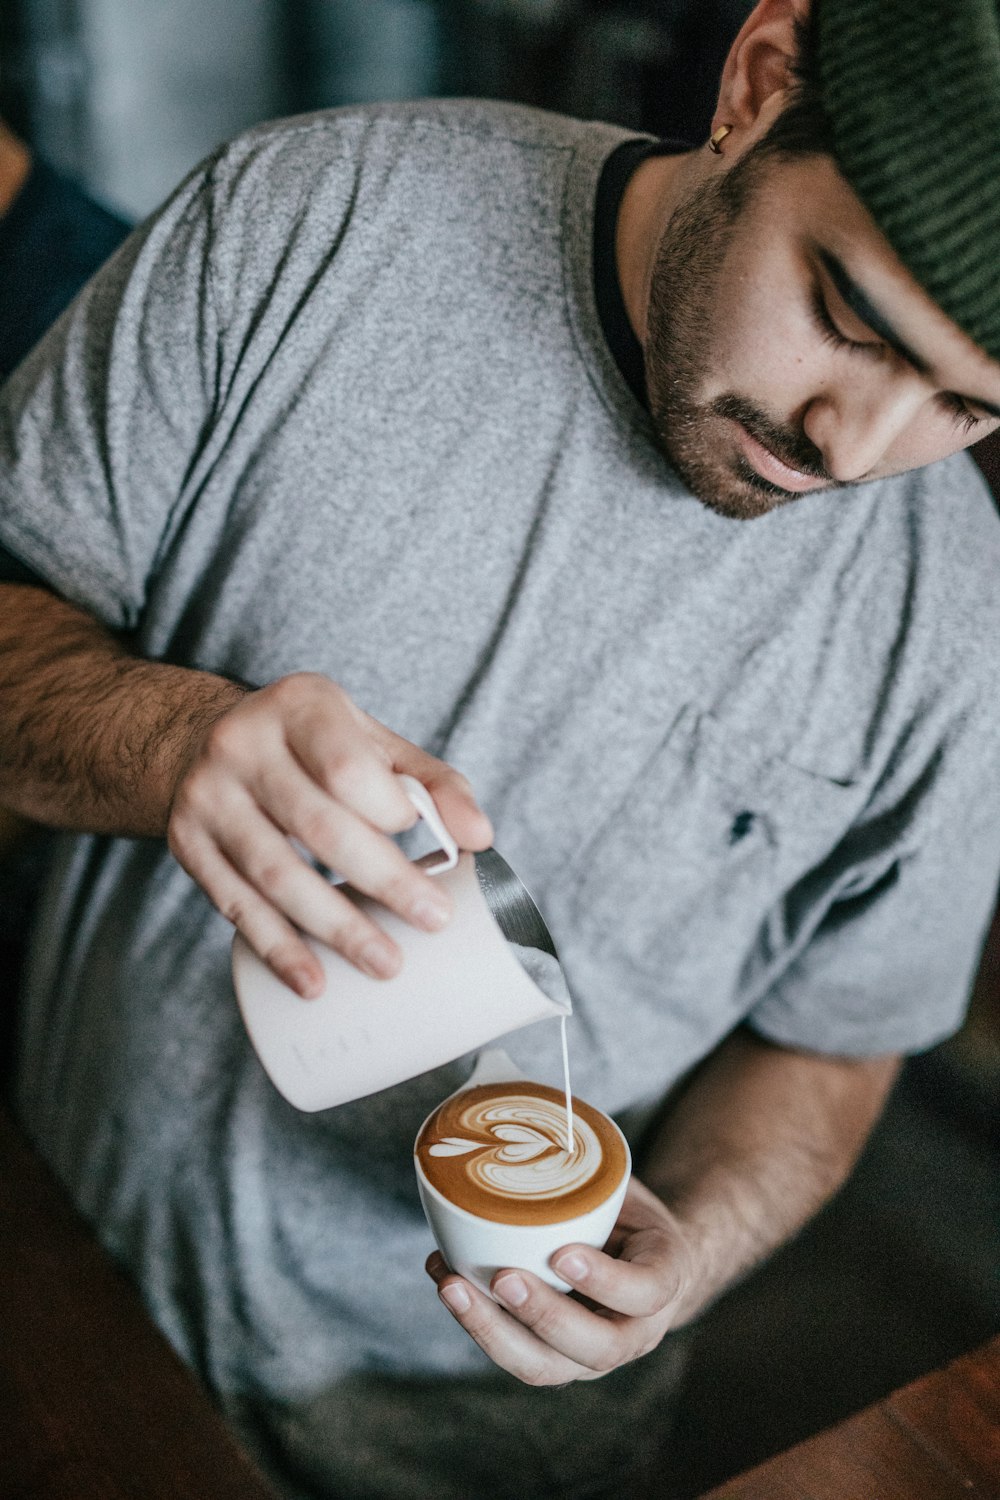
{"x":457,"y":989}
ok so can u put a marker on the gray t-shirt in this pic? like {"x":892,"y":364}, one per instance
{"x":345,"y":405}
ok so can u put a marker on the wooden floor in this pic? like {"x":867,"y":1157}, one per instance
{"x":938,"y":1439}
{"x":93,"y":1403}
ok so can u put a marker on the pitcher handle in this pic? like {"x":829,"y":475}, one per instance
{"x":426,"y":807}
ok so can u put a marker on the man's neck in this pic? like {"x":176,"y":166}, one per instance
{"x":653,"y":192}
{"x":15,"y":164}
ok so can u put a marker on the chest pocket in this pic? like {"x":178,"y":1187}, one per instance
{"x":677,"y":882}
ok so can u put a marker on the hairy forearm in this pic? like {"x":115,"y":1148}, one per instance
{"x":92,"y":738}
{"x":756,"y":1142}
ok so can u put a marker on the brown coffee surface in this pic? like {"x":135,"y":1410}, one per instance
{"x":500,"y":1151}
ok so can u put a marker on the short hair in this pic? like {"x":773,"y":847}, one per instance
{"x":803,"y":128}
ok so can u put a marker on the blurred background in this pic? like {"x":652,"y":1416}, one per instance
{"x":125,"y":96}
{"x":129,"y":94}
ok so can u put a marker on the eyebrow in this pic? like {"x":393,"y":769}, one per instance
{"x":862,"y":306}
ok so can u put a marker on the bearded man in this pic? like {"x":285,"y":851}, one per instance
{"x":625,"y":478}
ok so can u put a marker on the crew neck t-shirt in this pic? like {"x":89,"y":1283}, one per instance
{"x":35,"y":208}
{"x":346,"y":405}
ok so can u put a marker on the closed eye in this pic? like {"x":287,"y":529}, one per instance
{"x":959,"y":412}
{"x":832,"y":335}
{"x":830,"y":332}
{"x":852,"y":295}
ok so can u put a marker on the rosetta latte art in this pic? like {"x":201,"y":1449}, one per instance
{"x":527,"y":1156}
{"x":501,"y":1152}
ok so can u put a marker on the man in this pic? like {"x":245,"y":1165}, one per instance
{"x":571,"y":460}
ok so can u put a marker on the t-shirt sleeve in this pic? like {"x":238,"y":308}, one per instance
{"x":883,"y":940}
{"x":101,"y":426}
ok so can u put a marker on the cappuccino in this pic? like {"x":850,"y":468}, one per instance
{"x":501,"y":1151}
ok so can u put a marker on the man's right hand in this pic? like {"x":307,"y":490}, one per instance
{"x":298,"y":760}
{"x":97,"y":740}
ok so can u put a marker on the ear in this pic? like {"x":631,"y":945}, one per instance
{"x":759,"y":69}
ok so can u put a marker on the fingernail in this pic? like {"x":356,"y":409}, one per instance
{"x":429,"y":914}
{"x":512,"y":1290}
{"x":571,"y":1267}
{"x":456,"y":1297}
{"x":306,"y":984}
{"x":377,"y":960}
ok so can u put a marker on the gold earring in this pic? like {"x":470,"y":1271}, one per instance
{"x":715,"y":144}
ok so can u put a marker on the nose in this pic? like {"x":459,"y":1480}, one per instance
{"x":855,"y":423}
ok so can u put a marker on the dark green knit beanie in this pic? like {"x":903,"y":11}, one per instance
{"x":912,"y":89}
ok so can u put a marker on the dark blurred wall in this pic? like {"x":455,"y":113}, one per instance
{"x":129,"y":94}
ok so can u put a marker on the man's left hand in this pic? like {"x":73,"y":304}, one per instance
{"x":625,"y":1299}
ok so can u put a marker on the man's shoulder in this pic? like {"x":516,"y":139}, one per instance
{"x":951,"y":524}
{"x":427,"y":125}
{"x":933,"y":525}
{"x":941,"y":543}
{"x":432,"y":179}
{"x":428,"y":162}
{"x":904,"y":574}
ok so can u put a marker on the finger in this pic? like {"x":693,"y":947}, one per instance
{"x":640,"y":1282}
{"x":596,"y":1340}
{"x":645,"y":1264}
{"x":352,"y":756}
{"x":452,"y":792}
{"x":272,"y":938}
{"x":502,"y":1339}
{"x":350,"y":765}
{"x":263,"y":855}
{"x":362,"y":772}
{"x":455,"y":801}
{"x":347,"y":844}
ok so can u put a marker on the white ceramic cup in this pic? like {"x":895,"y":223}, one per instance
{"x":477,"y":1248}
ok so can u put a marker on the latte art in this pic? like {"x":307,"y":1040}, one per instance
{"x":501,"y":1151}
{"x":529,"y":1155}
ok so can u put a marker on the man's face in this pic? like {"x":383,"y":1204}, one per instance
{"x":788,"y":350}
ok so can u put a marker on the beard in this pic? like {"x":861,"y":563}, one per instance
{"x":687,"y":272}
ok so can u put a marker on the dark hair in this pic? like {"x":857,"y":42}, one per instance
{"x":803,"y":128}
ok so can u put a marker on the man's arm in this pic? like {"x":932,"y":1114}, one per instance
{"x":758,"y":1139}
{"x":95,"y":739}
{"x":92,"y":738}
{"x":757,"y":1142}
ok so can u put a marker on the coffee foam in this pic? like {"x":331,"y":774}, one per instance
{"x":500,"y":1151}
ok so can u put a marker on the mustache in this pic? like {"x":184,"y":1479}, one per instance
{"x":793,"y":448}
